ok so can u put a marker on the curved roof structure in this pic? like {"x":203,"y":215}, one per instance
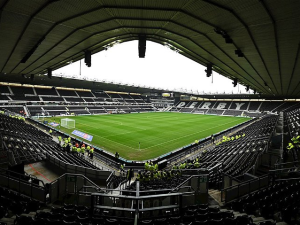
{"x":254,"y":41}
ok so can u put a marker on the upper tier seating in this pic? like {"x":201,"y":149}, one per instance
{"x":101,"y":95}
{"x":46,"y":91}
{"x":74,"y":99}
{"x":22,"y":90}
{"x":112,"y":95}
{"x":254,"y":106}
{"x":286,"y":106}
{"x":4,"y":98}
{"x":15,"y":109}
{"x":52,"y":99}
{"x":239,"y":105}
{"x":88,"y":99}
{"x":35,"y":110}
{"x":85,"y":94}
{"x":269,"y":106}
{"x":4,"y":89}
{"x":23,"y":98}
{"x":66,"y":93}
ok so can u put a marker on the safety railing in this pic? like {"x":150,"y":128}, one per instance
{"x":284,"y":172}
{"x":24,"y":185}
{"x":234,"y":192}
{"x":139,"y":207}
{"x":287,"y":164}
{"x":75,"y":184}
{"x":88,"y":172}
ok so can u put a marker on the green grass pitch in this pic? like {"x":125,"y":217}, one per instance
{"x":158,"y":133}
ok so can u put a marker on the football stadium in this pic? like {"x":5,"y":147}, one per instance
{"x":76,"y":150}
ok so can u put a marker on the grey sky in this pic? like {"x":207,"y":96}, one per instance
{"x":162,"y":68}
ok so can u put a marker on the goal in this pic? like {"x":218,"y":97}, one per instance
{"x":67,"y":123}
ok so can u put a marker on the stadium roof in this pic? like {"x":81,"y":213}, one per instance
{"x":262,"y":48}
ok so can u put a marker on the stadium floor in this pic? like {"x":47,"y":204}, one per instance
{"x":142,"y":136}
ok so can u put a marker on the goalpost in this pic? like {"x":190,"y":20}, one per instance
{"x":67,"y":123}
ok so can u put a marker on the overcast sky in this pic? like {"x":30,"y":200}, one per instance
{"x":161,"y":68}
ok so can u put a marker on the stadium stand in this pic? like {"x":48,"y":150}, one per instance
{"x":247,"y":174}
{"x":78,"y":110}
{"x":4,"y":98}
{"x":100,"y":94}
{"x":46,"y":91}
{"x":74,"y":99}
{"x":52,"y":99}
{"x":25,"y":98}
{"x":4,"y":89}
{"x":88,"y":99}
{"x":21,"y":90}
{"x":67,"y":93}
{"x":235,"y":159}
{"x":85,"y":94}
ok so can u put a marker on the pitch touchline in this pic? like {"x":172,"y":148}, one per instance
{"x":186,"y":135}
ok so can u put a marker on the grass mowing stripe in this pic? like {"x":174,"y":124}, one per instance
{"x":158,"y":133}
{"x":188,"y":135}
{"x":108,"y":139}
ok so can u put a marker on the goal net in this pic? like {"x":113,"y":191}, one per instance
{"x":67,"y":123}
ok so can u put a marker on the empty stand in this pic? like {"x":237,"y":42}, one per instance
{"x":85,"y":94}
{"x":4,"y":89}
{"x":46,"y":91}
{"x":67,"y":93}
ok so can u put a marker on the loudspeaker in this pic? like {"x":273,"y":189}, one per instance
{"x":32,"y":76}
{"x":234,"y":82}
{"x":88,"y":58}
{"x":209,"y":70}
{"x":49,"y":72}
{"x":239,"y":53}
{"x":142,"y":46}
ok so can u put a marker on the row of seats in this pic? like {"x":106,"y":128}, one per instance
{"x":16,"y":203}
{"x":239,"y":155}
{"x":22,"y":90}
{"x":261,"y":106}
{"x":29,"y":144}
{"x":279,"y":198}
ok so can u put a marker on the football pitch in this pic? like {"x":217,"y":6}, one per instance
{"x":157,"y":133}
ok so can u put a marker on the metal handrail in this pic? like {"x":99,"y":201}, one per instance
{"x":246,"y":182}
{"x":240,"y":184}
{"x":19,"y":180}
{"x":22,"y":175}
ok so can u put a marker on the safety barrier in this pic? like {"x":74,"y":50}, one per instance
{"x":100,"y":175}
{"x":136,"y":206}
{"x":19,"y":182}
{"x":72,"y":184}
{"x":234,"y":192}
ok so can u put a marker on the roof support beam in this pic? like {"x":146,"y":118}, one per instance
{"x":186,"y":37}
{"x":45,"y":5}
{"x":276,"y":41}
{"x":249,"y":33}
{"x":145,"y":19}
{"x":294,"y":67}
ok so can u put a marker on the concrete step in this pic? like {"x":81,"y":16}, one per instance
{"x":216,"y":195}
